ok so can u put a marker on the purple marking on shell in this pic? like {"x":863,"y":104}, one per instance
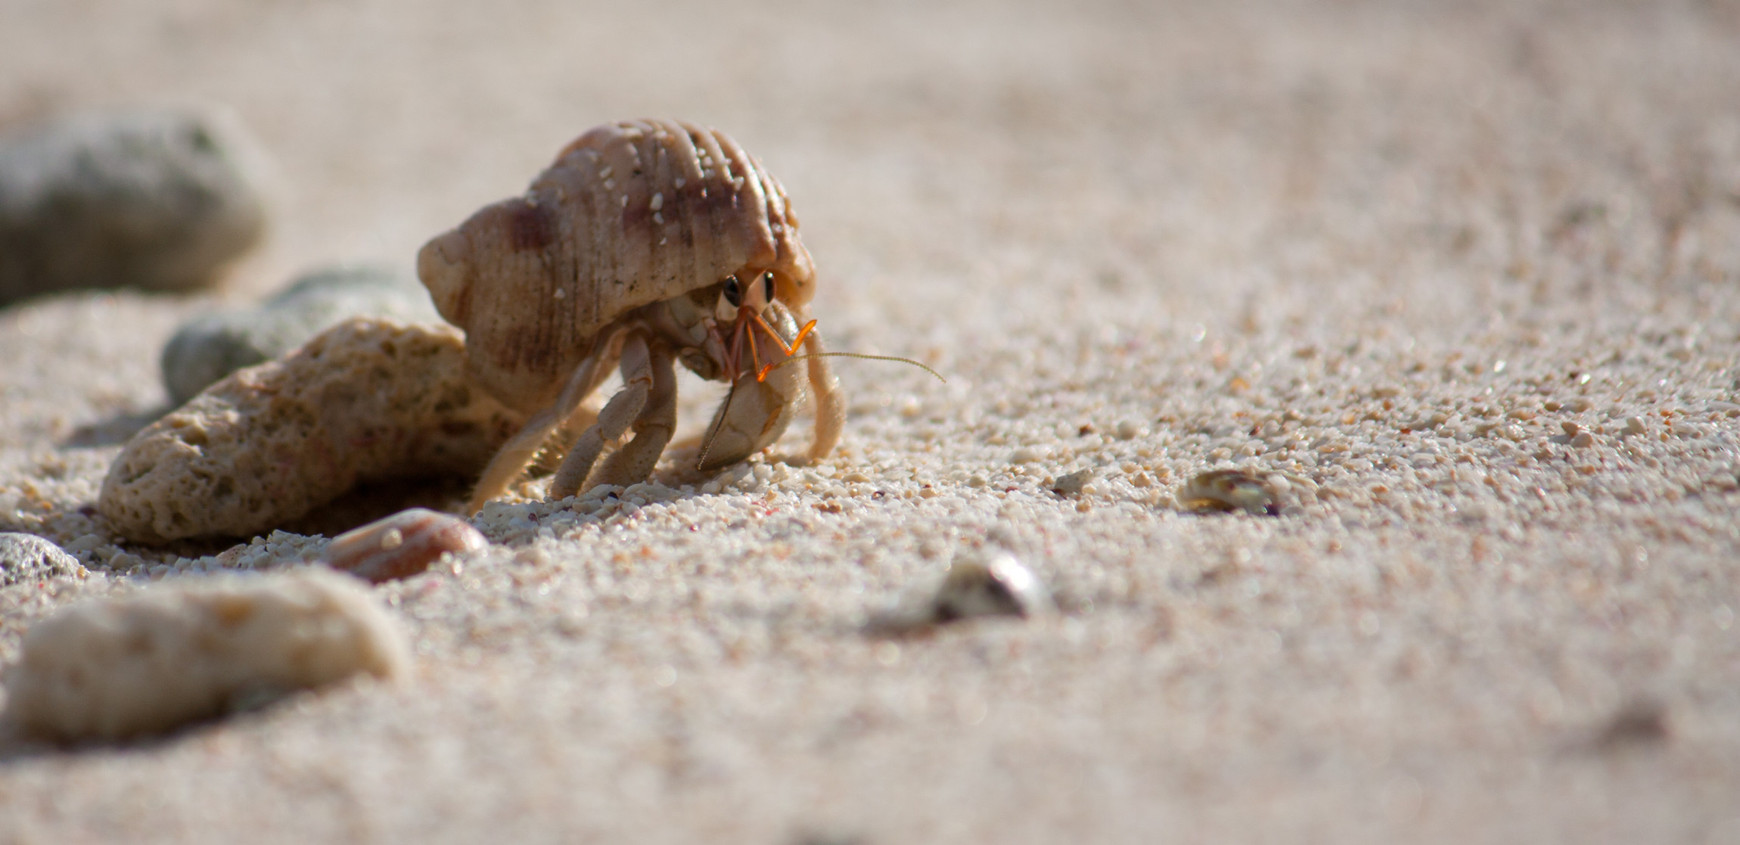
{"x":404,"y":544}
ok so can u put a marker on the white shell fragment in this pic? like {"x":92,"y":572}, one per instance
{"x":404,"y":544}
{"x":1229,"y":490}
{"x":1000,"y":586}
{"x":171,"y":655}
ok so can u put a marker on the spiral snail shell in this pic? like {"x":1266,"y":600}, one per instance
{"x":614,"y":255}
{"x":629,"y":214}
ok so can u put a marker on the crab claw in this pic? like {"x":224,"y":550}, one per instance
{"x":757,"y":410}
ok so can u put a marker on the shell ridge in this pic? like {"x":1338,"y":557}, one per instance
{"x":676,"y":265}
{"x":748,"y":194}
{"x":711,"y":160}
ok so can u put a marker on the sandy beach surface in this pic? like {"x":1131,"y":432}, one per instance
{"x":1466,"y":275}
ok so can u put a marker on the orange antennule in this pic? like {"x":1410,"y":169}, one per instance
{"x":788,"y":349}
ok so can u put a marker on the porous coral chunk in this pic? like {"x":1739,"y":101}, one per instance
{"x":367,"y":400}
{"x":145,"y":664}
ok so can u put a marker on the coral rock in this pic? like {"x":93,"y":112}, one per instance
{"x":119,"y":668}
{"x":27,"y":557}
{"x":367,"y":400}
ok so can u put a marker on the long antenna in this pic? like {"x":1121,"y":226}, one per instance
{"x":895,"y":358}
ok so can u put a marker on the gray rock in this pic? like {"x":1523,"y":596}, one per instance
{"x":154,"y":200}
{"x":212,"y":346}
{"x":27,"y":557}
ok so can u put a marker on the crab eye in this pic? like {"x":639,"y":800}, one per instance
{"x":733,"y":291}
{"x":767,"y":285}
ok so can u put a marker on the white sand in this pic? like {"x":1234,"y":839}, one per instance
{"x":1390,"y":250}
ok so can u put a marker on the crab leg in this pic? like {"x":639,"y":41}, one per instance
{"x":647,"y":401}
{"x":513,"y":456}
{"x":653,"y":428}
{"x":830,"y":408}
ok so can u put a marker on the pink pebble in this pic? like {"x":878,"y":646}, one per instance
{"x":401,"y":545}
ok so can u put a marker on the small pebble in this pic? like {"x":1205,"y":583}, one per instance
{"x":212,"y":346}
{"x":1072,"y":484}
{"x":1637,"y":724}
{"x":1634,"y":426}
{"x":196,"y":649}
{"x":26,"y":557}
{"x":154,"y":200}
{"x":402,"y":545}
{"x":1229,"y":490}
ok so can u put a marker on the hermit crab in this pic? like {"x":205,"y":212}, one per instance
{"x":647,"y":243}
